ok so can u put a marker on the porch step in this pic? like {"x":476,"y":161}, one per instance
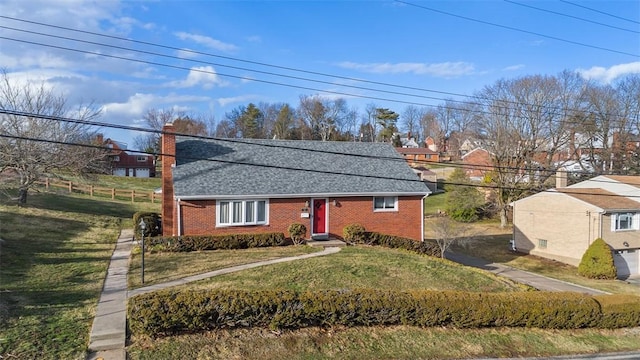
{"x":327,"y":243}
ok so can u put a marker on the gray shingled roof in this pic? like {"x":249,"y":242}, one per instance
{"x":258,"y":167}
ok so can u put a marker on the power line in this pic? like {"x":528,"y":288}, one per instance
{"x":515,"y":171}
{"x":572,"y":17}
{"x":600,"y":12}
{"x":518,"y":30}
{"x":486,"y":186}
{"x":556,"y":108}
{"x":148,"y":62}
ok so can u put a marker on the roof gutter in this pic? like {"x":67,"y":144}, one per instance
{"x":289,"y":196}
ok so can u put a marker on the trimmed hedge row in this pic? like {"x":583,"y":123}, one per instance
{"x":215,"y":242}
{"x":394,"y":242}
{"x":169,"y":312}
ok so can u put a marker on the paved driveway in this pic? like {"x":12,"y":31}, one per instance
{"x":537,"y":281}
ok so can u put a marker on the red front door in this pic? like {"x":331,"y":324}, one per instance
{"x":319,"y":216}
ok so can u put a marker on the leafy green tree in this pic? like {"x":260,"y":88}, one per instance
{"x":463,"y":201}
{"x":387,"y":119}
{"x":597,"y":261}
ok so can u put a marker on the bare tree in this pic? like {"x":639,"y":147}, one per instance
{"x":324,"y":116}
{"x":155,"y":119}
{"x":449,"y":232}
{"x":410,"y":121}
{"x":38,"y":143}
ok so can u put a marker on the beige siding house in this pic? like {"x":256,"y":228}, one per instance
{"x":561,"y":223}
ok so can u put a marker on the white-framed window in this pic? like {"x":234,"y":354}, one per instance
{"x":625,"y":221}
{"x":142,"y":158}
{"x":116,"y":158}
{"x":542,"y":243}
{"x":242,"y":212}
{"x":385,"y":203}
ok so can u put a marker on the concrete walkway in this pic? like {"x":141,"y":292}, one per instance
{"x":188,"y":279}
{"x":539,"y":282}
{"x":108,"y":333}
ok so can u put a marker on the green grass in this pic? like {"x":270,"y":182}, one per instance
{"x":53,"y":261}
{"x":119,"y":182}
{"x":434,"y":203}
{"x":400,"y":342}
{"x":363,"y":267}
{"x":163,"y":267}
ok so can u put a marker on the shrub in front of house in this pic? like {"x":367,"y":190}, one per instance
{"x":354,"y":234}
{"x":397,"y":242}
{"x":174,"y":311}
{"x":618,"y":311}
{"x":187,"y":243}
{"x":297,"y":232}
{"x":151,"y":221}
{"x":597,"y":261}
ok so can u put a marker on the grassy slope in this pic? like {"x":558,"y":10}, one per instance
{"x":53,"y":261}
{"x":363,"y":267}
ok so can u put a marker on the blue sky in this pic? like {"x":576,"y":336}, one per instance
{"x":435,"y":47}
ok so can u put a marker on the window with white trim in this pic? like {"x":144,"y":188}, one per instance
{"x":385,"y":203}
{"x":625,"y":221}
{"x":141,"y":158}
{"x":241,"y":212}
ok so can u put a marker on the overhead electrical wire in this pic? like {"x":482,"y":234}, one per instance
{"x":507,"y":169}
{"x":269,"y":73}
{"x":517,"y":29}
{"x":600,"y":12}
{"x":148,"y":62}
{"x":571,"y":16}
{"x":475,"y":185}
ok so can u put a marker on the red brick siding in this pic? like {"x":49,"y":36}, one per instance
{"x":406,"y":222}
{"x":199,"y":218}
{"x":168,"y":159}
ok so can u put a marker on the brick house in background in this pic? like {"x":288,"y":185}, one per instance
{"x":477,"y":163}
{"x":418,"y":156}
{"x":231,"y":186}
{"x":129,"y":163}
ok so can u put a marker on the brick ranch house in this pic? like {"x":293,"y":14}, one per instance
{"x":231,"y":186}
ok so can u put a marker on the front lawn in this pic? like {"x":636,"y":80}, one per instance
{"x":362,"y":267}
{"x":163,"y":267}
{"x":53,"y":260}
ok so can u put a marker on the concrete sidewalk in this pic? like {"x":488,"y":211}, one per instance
{"x":108,"y":333}
{"x":539,"y":282}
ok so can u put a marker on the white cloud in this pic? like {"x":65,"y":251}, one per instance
{"x":607,"y":75}
{"x":206,"y":41}
{"x":204,"y":76}
{"x":235,"y":99}
{"x":186,"y":53}
{"x":138,"y":104}
{"x":446,"y":69}
{"x":514,"y":67}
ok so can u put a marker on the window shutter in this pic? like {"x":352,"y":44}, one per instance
{"x":636,"y":221}
{"x":614,"y":219}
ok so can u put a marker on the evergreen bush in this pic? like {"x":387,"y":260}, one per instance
{"x":597,"y":261}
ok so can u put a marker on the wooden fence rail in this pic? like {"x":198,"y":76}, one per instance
{"x":114,"y":194}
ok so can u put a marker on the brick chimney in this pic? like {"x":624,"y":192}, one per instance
{"x":168,"y":162}
{"x":561,"y":178}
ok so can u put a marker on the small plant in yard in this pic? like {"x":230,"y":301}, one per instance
{"x":354,"y":233}
{"x":297,"y":232}
{"x":597,"y":261}
{"x":449,"y":232}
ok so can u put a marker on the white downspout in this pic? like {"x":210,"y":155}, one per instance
{"x":179,"y":216}
{"x":422,"y":217}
